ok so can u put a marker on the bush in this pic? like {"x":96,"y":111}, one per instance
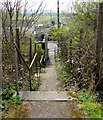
{"x":8,"y":90}
{"x":15,"y":100}
{"x":88,"y":104}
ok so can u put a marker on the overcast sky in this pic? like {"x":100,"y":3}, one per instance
{"x":52,"y":4}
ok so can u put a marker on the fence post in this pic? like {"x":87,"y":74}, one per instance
{"x":30,"y":79}
{"x":35,"y":46}
{"x":54,"y":54}
{"x":16,"y":69}
{"x":30,"y":59}
{"x":30,"y":52}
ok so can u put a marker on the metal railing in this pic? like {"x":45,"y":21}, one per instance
{"x":29,"y":67}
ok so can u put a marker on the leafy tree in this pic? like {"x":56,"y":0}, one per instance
{"x":17,"y":20}
{"x":78,"y":38}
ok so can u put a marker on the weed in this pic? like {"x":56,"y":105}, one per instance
{"x":15,"y":100}
{"x":8,"y":90}
{"x":86,"y":100}
{"x":88,"y":104}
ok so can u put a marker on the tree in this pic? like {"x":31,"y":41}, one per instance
{"x":0,"y":52}
{"x":18,"y":15}
{"x":17,"y":20}
{"x":13,"y":18}
{"x":80,"y":38}
{"x":99,"y":50}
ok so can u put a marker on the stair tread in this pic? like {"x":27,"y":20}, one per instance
{"x":44,"y":95}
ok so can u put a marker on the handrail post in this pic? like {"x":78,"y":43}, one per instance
{"x":16,"y":68}
{"x":30,"y":71}
{"x":40,"y":67}
{"x":21,"y":56}
{"x":30,"y":52}
{"x":35,"y":53}
{"x":55,"y":54}
{"x":30,"y":79}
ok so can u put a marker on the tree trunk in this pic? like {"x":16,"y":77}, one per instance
{"x":70,"y":53}
{"x":99,"y":48}
{"x":18,"y":45}
{"x":0,"y":53}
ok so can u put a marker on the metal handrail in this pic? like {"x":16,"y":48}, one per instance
{"x":21,"y":55}
{"x":41,"y":59}
{"x":29,"y":67}
{"x":33,"y":60}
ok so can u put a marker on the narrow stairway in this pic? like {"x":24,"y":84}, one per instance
{"x":49,"y":101}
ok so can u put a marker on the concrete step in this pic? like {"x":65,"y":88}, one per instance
{"x":43,"y":96}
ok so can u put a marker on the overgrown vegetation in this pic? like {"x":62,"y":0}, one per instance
{"x":87,"y":103}
{"x":77,"y":43}
{"x":18,"y":27}
{"x":86,"y":98}
{"x":80,"y":67}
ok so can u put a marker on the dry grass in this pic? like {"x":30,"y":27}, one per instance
{"x":18,"y":111}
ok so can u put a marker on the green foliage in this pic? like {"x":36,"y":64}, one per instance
{"x":35,"y":85}
{"x":5,"y":104}
{"x":62,"y":75}
{"x":77,"y":71}
{"x":8,"y":90}
{"x":84,"y":95}
{"x":26,"y":85}
{"x":86,"y":100}
{"x":86,"y":13}
{"x":56,"y":33}
{"x":7,"y":96}
{"x":88,"y":104}
{"x":15,"y":100}
{"x":93,"y":109}
{"x":53,"y":31}
{"x":25,"y":45}
{"x":77,"y":44}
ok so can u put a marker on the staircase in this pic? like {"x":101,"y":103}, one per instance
{"x":43,"y":95}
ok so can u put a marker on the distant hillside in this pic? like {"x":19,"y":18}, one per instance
{"x":49,"y":13}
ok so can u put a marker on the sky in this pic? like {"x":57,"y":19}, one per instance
{"x":52,"y":4}
{"x":49,"y":4}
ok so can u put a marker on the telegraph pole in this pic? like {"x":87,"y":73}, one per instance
{"x":58,"y":14}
